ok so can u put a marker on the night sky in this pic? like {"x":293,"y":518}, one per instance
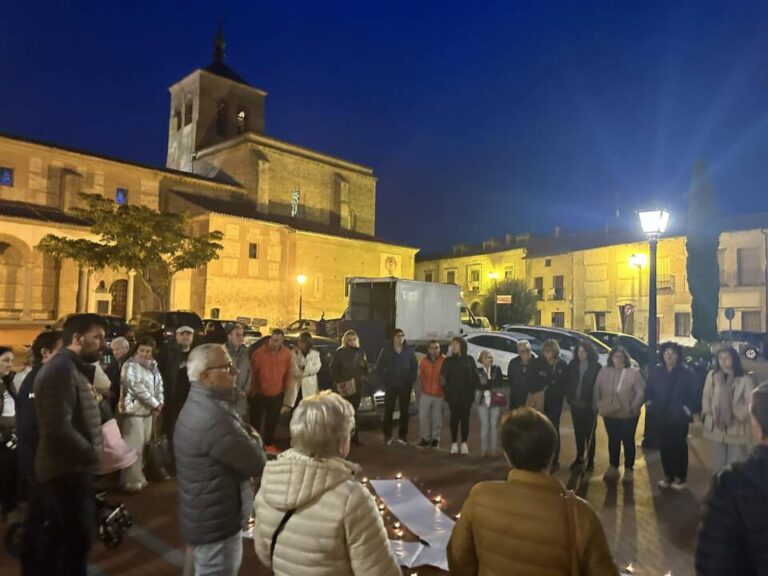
{"x":478,"y":118}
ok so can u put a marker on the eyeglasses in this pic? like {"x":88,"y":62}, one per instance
{"x":228,"y":367}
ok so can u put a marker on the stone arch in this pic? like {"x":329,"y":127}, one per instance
{"x":14,"y":263}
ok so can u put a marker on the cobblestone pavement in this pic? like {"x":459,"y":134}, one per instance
{"x":653,"y":531}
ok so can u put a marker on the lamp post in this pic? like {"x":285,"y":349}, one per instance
{"x":301,"y":279}
{"x":654,"y":223}
{"x":495,"y":277}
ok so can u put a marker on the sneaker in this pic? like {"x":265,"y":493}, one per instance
{"x":387,"y":440}
{"x":664,"y":484}
{"x":577,"y":465}
{"x":611,"y":475}
{"x":454,"y":448}
{"x":435,"y":444}
{"x":403,"y":441}
{"x":629,"y":476}
{"x":423,"y":443}
{"x":464,"y":449}
{"x":679,"y":485}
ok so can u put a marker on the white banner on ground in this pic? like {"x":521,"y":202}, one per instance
{"x":420,"y":516}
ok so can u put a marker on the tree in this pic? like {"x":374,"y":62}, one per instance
{"x":152,"y":244}
{"x":523,"y":307}
{"x":703,"y":240}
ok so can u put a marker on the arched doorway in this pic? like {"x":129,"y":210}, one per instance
{"x":11,"y":278}
{"x":476,"y":309}
{"x":119,"y":292}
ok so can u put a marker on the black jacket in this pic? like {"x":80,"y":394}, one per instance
{"x":669,"y":393}
{"x":397,"y":370}
{"x":553,"y":379}
{"x":348,"y":363}
{"x":460,"y":379}
{"x":216,"y":456}
{"x":26,"y":425}
{"x":521,"y":381}
{"x":170,"y":360}
{"x":733,"y":536}
{"x":68,"y":418}
{"x":587,"y":383}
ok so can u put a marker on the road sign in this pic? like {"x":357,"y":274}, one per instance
{"x":730,"y":313}
{"x":504,"y":299}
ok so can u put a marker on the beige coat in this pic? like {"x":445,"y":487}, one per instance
{"x":336,"y":529}
{"x":619,"y":397}
{"x":520,"y":527}
{"x":304,"y":371}
{"x":739,"y":432}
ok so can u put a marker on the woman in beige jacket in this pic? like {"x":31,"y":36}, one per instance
{"x":725,"y":409}
{"x":312,"y":516}
{"x":618,"y":396}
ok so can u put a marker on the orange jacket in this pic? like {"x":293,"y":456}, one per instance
{"x":270,"y":371}
{"x":429,"y":374}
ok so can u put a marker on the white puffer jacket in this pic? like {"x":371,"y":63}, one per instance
{"x":304,"y":371}
{"x":336,"y":529}
{"x":141,"y":389}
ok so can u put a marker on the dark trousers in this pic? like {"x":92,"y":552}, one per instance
{"x":583,"y":427}
{"x":355,"y":401}
{"x":553,"y":410}
{"x":621,"y":431}
{"x":34,"y":541}
{"x":403,"y":398}
{"x":460,"y":409}
{"x":673,"y":445}
{"x":266,"y":408}
{"x":70,"y":515}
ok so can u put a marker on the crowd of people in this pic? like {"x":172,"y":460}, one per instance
{"x":219,"y":405}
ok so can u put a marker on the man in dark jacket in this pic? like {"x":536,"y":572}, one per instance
{"x":69,"y":445}
{"x":733,"y":538}
{"x":397,"y":368}
{"x":217,"y":454}
{"x":172,"y":363}
{"x":520,"y":374}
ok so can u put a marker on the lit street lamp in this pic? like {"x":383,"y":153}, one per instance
{"x":301,"y":279}
{"x":495,"y":277}
{"x":654,"y":223}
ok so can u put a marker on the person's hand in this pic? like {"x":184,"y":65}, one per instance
{"x":285,"y":409}
{"x":159,"y":408}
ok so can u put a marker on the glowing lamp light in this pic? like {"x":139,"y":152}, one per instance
{"x":301,"y":279}
{"x":654,"y":222}
{"x":399,"y":475}
{"x":638,"y":260}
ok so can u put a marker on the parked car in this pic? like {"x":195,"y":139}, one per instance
{"x":216,"y":328}
{"x":325,"y":328}
{"x":502,"y":345}
{"x":566,"y":338}
{"x":162,"y":325}
{"x":116,"y":326}
{"x":750,"y":344}
{"x":636,"y":347}
{"x":485,"y":324}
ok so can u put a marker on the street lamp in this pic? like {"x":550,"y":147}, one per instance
{"x":301,"y":279}
{"x":654,"y":223}
{"x":495,"y":277}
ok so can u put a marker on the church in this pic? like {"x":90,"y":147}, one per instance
{"x":287,"y":213}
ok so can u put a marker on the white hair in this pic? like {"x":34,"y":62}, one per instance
{"x":524,"y":344}
{"x":199,"y":360}
{"x":320,"y":423}
{"x":120,"y":342}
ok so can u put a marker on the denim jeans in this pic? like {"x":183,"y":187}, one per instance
{"x":489,"y":437}
{"x":430,"y":416}
{"x":221,"y":558}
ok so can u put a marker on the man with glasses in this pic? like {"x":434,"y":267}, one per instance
{"x":217,"y":454}
{"x":431,"y":401}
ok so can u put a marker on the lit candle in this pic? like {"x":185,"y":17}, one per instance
{"x":399,"y":475}
{"x":381,"y":506}
{"x":629,"y":569}
{"x":365,"y":479}
{"x":397,"y":525}
{"x":458,"y":516}
{"x":438,"y":499}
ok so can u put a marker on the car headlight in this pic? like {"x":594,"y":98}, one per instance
{"x":366,"y":403}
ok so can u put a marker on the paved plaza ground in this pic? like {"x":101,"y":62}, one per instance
{"x":653,"y":531}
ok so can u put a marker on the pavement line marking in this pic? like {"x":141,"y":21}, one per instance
{"x":144,"y":537}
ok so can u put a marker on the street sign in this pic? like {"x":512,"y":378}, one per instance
{"x":504,"y":299}
{"x":730,"y":313}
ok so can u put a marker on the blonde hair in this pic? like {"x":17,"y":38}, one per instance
{"x":346,"y":335}
{"x":523,"y":344}
{"x":483,"y":354}
{"x":550,"y":344}
{"x":320,"y":423}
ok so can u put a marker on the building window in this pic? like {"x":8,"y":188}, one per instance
{"x":427,"y":276}
{"x":177,"y":120}
{"x":188,"y":112}
{"x":221,"y":118}
{"x":749,"y":271}
{"x":750,"y":321}
{"x":6,"y":176}
{"x":509,"y":272}
{"x":538,"y":286}
{"x":450,"y":276}
{"x":682,"y":324}
{"x":253,"y":251}
{"x":558,"y":319}
{"x":721,"y":266}
{"x":242,"y":117}
{"x":538,"y":317}
{"x":600,"y":321}
{"x":548,"y":262}
{"x":558,"y":288}
{"x":121,"y":196}
{"x":215,"y":312}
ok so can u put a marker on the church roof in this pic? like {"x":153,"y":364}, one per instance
{"x":218,"y":67}
{"x":28,"y":211}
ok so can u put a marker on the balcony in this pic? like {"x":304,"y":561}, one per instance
{"x":665,"y":283}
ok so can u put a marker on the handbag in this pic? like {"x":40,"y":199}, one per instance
{"x":157,"y":455}
{"x":498,"y":399}
{"x":347,"y":387}
{"x":573,"y":545}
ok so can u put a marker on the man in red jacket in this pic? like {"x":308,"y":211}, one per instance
{"x":270,"y":376}
{"x":431,"y":401}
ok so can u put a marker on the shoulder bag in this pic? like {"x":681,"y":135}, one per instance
{"x":158,"y":455}
{"x":278,"y":530}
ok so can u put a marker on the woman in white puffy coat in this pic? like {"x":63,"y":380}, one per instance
{"x":330,"y":524}
{"x":141,"y":399}
{"x":305,"y":364}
